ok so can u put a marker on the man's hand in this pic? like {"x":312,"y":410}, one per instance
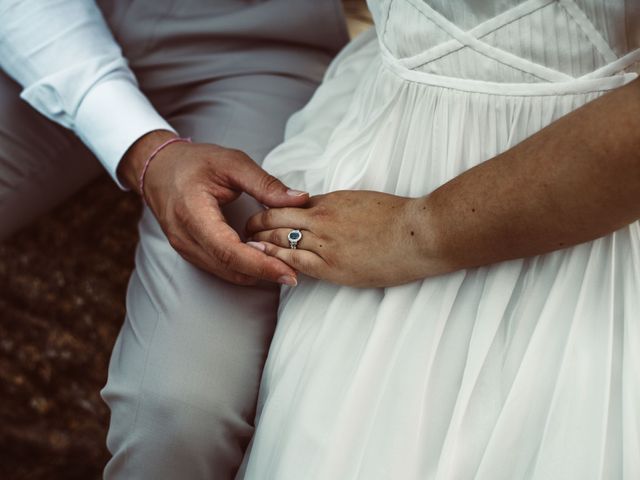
{"x":187,"y":184}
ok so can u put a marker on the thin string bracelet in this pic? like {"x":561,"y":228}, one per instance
{"x":152,"y":156}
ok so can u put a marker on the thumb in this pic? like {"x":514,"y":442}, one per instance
{"x":267,"y":189}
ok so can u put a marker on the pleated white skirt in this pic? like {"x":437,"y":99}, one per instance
{"x":526,"y":369}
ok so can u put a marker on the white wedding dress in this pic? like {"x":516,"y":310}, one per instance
{"x":525,"y":369}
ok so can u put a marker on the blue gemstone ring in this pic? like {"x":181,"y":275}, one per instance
{"x":294,"y":237}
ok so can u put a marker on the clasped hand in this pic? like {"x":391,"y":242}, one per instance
{"x":186,"y":187}
{"x":356,"y":238}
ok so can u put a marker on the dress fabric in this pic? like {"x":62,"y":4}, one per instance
{"x":524,"y":369}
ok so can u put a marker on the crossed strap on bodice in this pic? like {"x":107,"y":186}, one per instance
{"x":472,"y":39}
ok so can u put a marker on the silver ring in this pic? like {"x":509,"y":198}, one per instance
{"x":294,"y":237}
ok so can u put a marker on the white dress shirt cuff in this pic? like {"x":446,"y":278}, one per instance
{"x":111,"y":117}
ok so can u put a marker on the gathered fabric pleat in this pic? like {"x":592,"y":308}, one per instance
{"x":525,"y":369}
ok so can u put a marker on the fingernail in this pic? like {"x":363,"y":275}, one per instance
{"x":288,"y":280}
{"x":257,"y":246}
{"x":296,"y":193}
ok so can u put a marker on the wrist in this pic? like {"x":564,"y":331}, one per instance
{"x":133,"y":161}
{"x":430,"y":246}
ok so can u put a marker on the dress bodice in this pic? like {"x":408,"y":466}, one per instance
{"x":571,"y":37}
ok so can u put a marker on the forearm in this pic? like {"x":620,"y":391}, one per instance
{"x":575,"y":180}
{"x":73,"y":72}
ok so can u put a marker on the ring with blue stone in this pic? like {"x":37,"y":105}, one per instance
{"x":294,"y":237}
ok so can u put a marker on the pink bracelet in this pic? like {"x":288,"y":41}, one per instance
{"x":152,"y":156}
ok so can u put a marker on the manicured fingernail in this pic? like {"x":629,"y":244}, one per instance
{"x":296,"y":193}
{"x":288,"y":280}
{"x":257,"y":246}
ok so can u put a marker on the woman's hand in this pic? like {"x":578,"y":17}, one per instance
{"x":357,"y":238}
{"x":575,"y":180}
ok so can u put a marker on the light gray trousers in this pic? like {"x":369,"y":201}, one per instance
{"x":186,"y":366}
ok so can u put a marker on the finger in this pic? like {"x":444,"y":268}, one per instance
{"x":203,"y":261}
{"x":279,"y":237}
{"x":193,"y":253}
{"x":267,"y":189}
{"x":303,"y":261}
{"x":226,"y":250}
{"x":232,"y":255}
{"x":298,"y":218}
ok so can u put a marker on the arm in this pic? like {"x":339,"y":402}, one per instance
{"x":73,"y":72}
{"x":575,"y":180}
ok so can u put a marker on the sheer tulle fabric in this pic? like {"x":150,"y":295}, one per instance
{"x":526,"y":369}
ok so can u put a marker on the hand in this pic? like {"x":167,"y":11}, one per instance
{"x":357,"y":238}
{"x":187,"y":184}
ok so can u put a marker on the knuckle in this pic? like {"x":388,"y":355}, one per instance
{"x":330,"y":266}
{"x":234,"y":152}
{"x":266,"y":217}
{"x":270,"y":250}
{"x":298,"y":263}
{"x":320,"y":211}
{"x":226,"y":257}
{"x":262,"y":271}
{"x":237,"y":158}
{"x":252,"y":225}
{"x":175,"y":240}
{"x":274,"y":237}
{"x":269,"y":183}
{"x":181,"y":211}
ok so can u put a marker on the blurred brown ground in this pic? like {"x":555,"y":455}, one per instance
{"x":62,"y":287}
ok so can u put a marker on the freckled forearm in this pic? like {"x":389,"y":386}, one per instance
{"x":575,"y":180}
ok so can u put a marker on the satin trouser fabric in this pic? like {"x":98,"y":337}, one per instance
{"x":185,"y":370}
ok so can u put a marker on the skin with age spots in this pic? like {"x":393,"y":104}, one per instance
{"x":335,"y":221}
{"x":573,"y":181}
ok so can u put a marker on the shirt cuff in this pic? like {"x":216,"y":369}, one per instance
{"x":111,"y":117}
